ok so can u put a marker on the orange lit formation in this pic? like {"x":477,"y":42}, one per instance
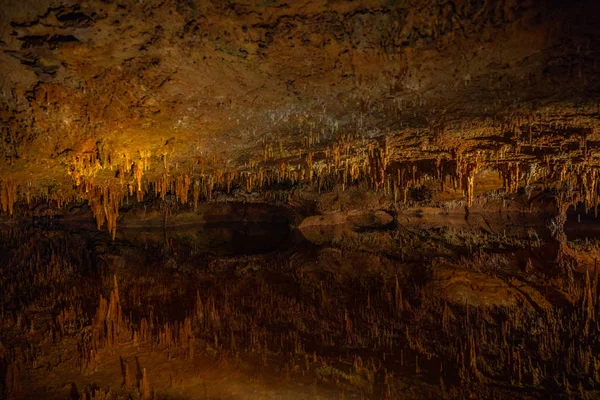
{"x":293,"y":199}
{"x":525,"y":152}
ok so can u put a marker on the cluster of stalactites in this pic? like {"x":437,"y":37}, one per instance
{"x":83,"y":166}
{"x":179,"y":185}
{"x":407,"y":175}
{"x":466,"y":168}
{"x":580,"y":180}
{"x":342,"y":162}
{"x":372,"y":165}
{"x":105,"y":200}
{"x":511,"y":176}
{"x":378,"y":160}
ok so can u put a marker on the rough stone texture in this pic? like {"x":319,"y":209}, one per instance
{"x":208,"y":88}
{"x":442,"y":156}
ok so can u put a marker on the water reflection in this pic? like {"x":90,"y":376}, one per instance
{"x":232,"y":238}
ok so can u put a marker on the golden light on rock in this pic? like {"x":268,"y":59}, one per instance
{"x":296,"y":200}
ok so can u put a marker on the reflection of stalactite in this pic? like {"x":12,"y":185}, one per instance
{"x":108,"y":318}
{"x":12,"y":381}
{"x":144,"y":387}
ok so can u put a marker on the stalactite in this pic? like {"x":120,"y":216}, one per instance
{"x":589,"y":182}
{"x":377,"y":167}
{"x":8,"y":195}
{"x":196,"y":193}
{"x":467,"y":178}
{"x":182,"y":187}
{"x":94,"y":200}
{"x":309,"y":166}
{"x":110,"y":203}
{"x":138,"y":172}
{"x":511,"y":176}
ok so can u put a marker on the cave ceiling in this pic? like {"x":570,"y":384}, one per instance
{"x":103,"y":100}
